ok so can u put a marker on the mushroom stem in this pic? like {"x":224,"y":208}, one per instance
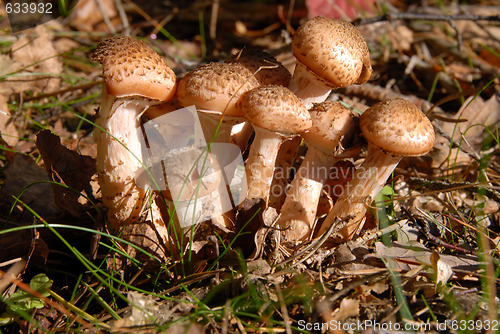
{"x":308,"y":86}
{"x":119,"y":157}
{"x":260,"y":162}
{"x":366,"y":183}
{"x":210,"y":120}
{"x":298,"y":213}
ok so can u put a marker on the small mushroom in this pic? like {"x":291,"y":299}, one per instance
{"x":394,"y":129}
{"x":135,"y":77}
{"x":214,"y":89}
{"x":331,"y":53}
{"x":268,"y":71}
{"x":332,"y":129}
{"x":276,"y":114}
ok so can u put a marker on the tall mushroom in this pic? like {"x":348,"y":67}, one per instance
{"x":394,"y":129}
{"x":276,"y":114}
{"x":331,"y":53}
{"x":332,"y":129}
{"x":268,"y":71}
{"x":135,"y":77}
{"x":214,"y":89}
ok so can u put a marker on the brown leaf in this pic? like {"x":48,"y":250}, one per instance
{"x":249,"y":222}
{"x":86,"y":14}
{"x":32,"y":55}
{"x":68,"y":168}
{"x":22,"y":172}
{"x":8,"y":130}
{"x":478,"y":114}
{"x":418,"y":253}
{"x":348,"y":308}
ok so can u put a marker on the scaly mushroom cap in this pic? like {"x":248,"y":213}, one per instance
{"x":334,"y":50}
{"x":275,"y":108}
{"x":132,"y":68}
{"x":266,"y":68}
{"x":397,"y":127}
{"x":332,"y":123}
{"x":216,"y":87}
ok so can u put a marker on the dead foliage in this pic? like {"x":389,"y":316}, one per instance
{"x":428,"y":252}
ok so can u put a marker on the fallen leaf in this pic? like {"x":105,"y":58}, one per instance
{"x":68,"y":168}
{"x":23,"y":174}
{"x":418,"y":253}
{"x":8,"y":130}
{"x":339,"y":9}
{"x":32,"y":55}
{"x":479,"y":115}
{"x":348,"y":308}
{"x":442,"y":270}
{"x":87,"y":14}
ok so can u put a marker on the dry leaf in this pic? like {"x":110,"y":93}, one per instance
{"x":32,"y":55}
{"x":442,"y":270}
{"x":86,"y":15}
{"x":68,"y":168}
{"x":8,"y":130}
{"x":22,"y":172}
{"x":348,"y":308}
{"x":479,"y":114}
{"x":416,"y":252}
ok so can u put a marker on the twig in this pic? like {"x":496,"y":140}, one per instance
{"x":431,"y":237}
{"x":105,"y":17}
{"x":439,"y":185}
{"x":429,"y":17}
{"x":123,"y":17}
{"x":378,"y":93}
{"x":213,"y":19}
{"x":65,"y":90}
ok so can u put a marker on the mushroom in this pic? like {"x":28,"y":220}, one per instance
{"x":214,"y":89}
{"x":268,"y":71}
{"x":332,"y":129}
{"x":276,"y":114}
{"x":394,"y":129}
{"x":135,"y":77}
{"x":331,"y":53}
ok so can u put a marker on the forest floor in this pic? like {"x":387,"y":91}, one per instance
{"x":427,"y":259}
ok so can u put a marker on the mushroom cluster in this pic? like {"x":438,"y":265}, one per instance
{"x":281,"y":109}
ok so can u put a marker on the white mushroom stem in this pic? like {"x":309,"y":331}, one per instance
{"x":366,"y":183}
{"x":308,"y":86}
{"x":298,"y":213}
{"x":214,"y":132}
{"x":260,"y":162}
{"x":119,"y":157}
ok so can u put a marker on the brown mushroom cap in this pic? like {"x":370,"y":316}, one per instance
{"x":132,"y":68}
{"x":398,"y":127}
{"x":332,"y":122}
{"x":275,"y":108}
{"x":267,"y":70}
{"x":216,"y":87}
{"x":334,"y":50}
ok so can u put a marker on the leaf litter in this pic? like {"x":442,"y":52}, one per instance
{"x":432,"y":245}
